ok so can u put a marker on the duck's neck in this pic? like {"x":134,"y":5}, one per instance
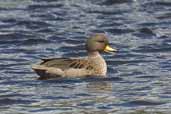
{"x":94,"y":54}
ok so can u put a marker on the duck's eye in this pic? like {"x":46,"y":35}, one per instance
{"x":101,"y":41}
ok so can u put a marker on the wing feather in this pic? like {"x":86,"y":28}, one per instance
{"x":66,"y":63}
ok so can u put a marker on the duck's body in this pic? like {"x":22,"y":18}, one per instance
{"x":92,"y":65}
{"x":65,"y":67}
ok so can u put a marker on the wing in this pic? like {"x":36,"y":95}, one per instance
{"x":66,"y":63}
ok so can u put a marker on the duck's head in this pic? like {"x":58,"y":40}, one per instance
{"x":99,"y":43}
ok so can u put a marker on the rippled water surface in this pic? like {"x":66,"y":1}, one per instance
{"x":139,"y":75}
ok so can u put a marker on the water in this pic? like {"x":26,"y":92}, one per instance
{"x":139,"y":75}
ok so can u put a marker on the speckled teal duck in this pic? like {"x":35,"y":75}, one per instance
{"x":92,"y":65}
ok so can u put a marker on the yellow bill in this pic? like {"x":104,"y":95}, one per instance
{"x":109,"y":49}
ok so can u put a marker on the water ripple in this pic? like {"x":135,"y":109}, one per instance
{"x":138,"y":75}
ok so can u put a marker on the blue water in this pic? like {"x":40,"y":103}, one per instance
{"x":139,"y":75}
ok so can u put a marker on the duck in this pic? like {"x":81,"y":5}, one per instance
{"x":91,"y":65}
